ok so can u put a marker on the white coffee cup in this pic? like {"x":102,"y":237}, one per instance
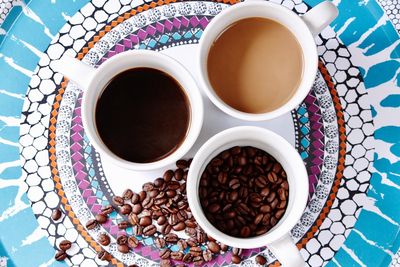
{"x":303,"y":28}
{"x":93,"y":82}
{"x":277,"y":239}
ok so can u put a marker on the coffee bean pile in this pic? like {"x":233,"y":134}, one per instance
{"x":160,"y":211}
{"x":244,"y":191}
{"x":61,"y":254}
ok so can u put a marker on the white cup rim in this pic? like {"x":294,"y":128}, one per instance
{"x":282,"y":151}
{"x":277,"y":13}
{"x":136,"y":59}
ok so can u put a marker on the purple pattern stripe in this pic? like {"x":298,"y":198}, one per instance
{"x":316,"y":152}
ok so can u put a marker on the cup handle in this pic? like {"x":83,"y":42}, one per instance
{"x":286,"y":252}
{"x":75,"y":70}
{"x":320,"y":16}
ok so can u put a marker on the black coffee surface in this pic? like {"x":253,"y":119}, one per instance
{"x":142,"y":115}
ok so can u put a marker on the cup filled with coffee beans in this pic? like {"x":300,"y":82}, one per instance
{"x":141,"y":109}
{"x":248,"y":188}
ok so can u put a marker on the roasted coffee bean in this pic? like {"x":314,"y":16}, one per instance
{"x":148,"y":202}
{"x":127,"y":194}
{"x":137,"y":208}
{"x":214,"y":208}
{"x":101,"y":218}
{"x":274,"y":203}
{"x":122,"y":239}
{"x":153,"y":193}
{"x":173,"y":219}
{"x":107,"y":209}
{"x":104,"y":239}
{"x":166,"y":228}
{"x":117,"y":200}
{"x":258,"y":218}
{"x":201,"y":236}
{"x":135,"y":198}
{"x":176,"y":255}
{"x":192,"y":242}
{"x":138,"y":230}
{"x":60,"y":255}
{"x":187,"y":258}
{"x":170,"y":193}
{"x":224,"y":247}
{"x":195,"y":251}
{"x":133,"y":218}
{"x":165,"y":263}
{"x":272,"y":177}
{"x":56,"y":214}
{"x":245,"y":231}
{"x":234,"y":184}
{"x":198,"y":261}
{"x":207,"y":255}
{"x":236,"y":259}
{"x":261,"y":260}
{"x":191,"y":224}
{"x":191,"y":232}
{"x":182,"y":164}
{"x":123,"y":225}
{"x":133,"y":242}
{"x":104,"y":255}
{"x":214,"y":247}
{"x":168,"y":175}
{"x":158,"y":182}
{"x":279,"y":213}
{"x":91,"y":224}
{"x":171,"y":238}
{"x":165,"y":253}
{"x":179,"y":226}
{"x":123,"y":248}
{"x":145,"y":221}
{"x":182,"y":216}
{"x":142,"y":195}
{"x":261,"y":231}
{"x":178,"y":174}
{"x":236,"y":150}
{"x":160,"y":242}
{"x":161,"y":220}
{"x":182,"y":245}
{"x":147,"y":187}
{"x":149,"y":230}
{"x":65,"y":245}
{"x":237,"y":251}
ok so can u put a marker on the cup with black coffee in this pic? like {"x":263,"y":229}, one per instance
{"x":141,"y":109}
{"x":248,"y":189}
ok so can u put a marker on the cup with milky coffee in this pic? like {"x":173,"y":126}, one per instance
{"x":258,"y":60}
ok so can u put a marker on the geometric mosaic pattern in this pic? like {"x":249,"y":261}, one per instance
{"x":318,"y":139}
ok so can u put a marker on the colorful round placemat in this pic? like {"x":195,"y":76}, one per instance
{"x":345,"y":130}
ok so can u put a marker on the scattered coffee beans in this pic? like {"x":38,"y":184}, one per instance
{"x":91,"y":224}
{"x":104,"y":239}
{"x":104,"y":256}
{"x":60,"y":255}
{"x":261,"y":260}
{"x":107,"y":209}
{"x":56,"y":214}
{"x":65,"y":245}
{"x":101,"y":218}
{"x":244,"y":192}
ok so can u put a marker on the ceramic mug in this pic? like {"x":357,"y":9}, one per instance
{"x":303,"y":28}
{"x":277,"y":239}
{"x":93,"y":82}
